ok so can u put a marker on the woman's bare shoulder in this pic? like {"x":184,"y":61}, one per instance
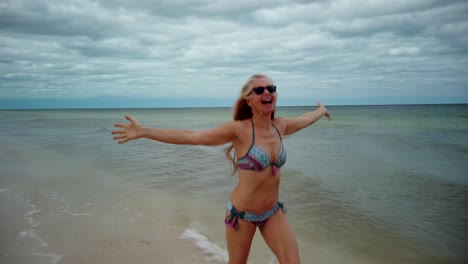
{"x":243,"y":123}
{"x":280,"y":123}
{"x":242,"y":127}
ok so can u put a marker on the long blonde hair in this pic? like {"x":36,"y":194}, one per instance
{"x":242,"y":111}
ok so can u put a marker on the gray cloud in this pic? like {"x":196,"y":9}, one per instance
{"x":312,"y":49}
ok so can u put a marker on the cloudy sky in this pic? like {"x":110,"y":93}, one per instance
{"x":126,"y":53}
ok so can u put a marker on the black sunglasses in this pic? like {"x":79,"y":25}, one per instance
{"x":260,"y":90}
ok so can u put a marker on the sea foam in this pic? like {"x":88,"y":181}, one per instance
{"x":213,"y":251}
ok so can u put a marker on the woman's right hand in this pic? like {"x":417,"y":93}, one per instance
{"x":128,"y":131}
{"x":324,"y":110}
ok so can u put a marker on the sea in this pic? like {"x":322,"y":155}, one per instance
{"x":377,"y":184}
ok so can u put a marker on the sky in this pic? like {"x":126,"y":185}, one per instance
{"x":175,"y":53}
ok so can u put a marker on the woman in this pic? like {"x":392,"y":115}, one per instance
{"x":256,"y":136}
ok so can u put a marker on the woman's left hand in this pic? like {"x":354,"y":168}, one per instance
{"x":129,"y":131}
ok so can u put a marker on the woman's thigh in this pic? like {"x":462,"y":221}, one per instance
{"x":280,"y":238}
{"x":239,"y":241}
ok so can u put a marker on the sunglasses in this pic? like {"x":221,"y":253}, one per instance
{"x":260,"y":90}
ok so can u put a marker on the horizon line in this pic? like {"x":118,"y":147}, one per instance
{"x":188,"y":107}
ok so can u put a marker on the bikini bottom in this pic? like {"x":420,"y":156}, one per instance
{"x":257,"y":219}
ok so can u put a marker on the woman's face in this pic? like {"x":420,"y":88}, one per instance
{"x":263,"y":96}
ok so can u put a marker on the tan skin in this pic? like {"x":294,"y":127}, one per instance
{"x":256,"y":191}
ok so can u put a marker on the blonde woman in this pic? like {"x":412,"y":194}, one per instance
{"x":256,"y":136}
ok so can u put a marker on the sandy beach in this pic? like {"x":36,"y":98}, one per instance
{"x":109,"y":227}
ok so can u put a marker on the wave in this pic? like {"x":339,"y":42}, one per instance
{"x":103,"y":129}
{"x":100,"y":130}
{"x":10,"y":153}
{"x":213,"y":251}
{"x":39,"y":119}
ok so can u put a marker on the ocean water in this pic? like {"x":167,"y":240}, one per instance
{"x":378,"y":184}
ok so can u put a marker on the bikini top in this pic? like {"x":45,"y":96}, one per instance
{"x":257,"y":158}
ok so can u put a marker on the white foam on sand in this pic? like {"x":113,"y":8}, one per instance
{"x":273,"y":260}
{"x":213,"y":251}
{"x":33,"y":234}
{"x":29,"y":215}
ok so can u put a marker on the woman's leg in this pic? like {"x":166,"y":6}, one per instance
{"x":239,"y":241}
{"x":280,"y":238}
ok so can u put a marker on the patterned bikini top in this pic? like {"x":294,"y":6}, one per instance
{"x":257,"y":158}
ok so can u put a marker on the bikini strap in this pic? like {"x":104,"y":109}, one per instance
{"x":233,"y":218}
{"x":253,"y":141}
{"x":277,"y":131}
{"x":281,"y":205}
{"x":253,"y":132}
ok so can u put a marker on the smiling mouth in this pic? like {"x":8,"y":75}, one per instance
{"x":269,"y":101}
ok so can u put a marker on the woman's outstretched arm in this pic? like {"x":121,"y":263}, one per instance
{"x":292,"y":125}
{"x":211,"y":137}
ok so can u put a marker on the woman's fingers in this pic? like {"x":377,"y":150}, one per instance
{"x":120,"y":136}
{"x":117,"y":132}
{"x":121,"y":125}
{"x":131,"y":119}
{"x":124,"y":126}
